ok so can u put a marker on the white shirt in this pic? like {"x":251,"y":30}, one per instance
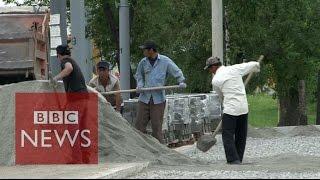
{"x":228,"y":83}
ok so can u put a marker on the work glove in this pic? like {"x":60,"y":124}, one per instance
{"x":53,"y":80}
{"x":182,"y":85}
{"x":98,"y":89}
{"x":257,"y":68}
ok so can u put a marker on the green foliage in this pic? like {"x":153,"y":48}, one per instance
{"x":264,"y":111}
{"x":285,"y":31}
{"x":99,"y":30}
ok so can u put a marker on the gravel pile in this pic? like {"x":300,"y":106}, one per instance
{"x":226,"y":175}
{"x":270,"y":154}
{"x":260,"y":148}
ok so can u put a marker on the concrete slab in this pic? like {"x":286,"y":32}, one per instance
{"x":103,"y":171}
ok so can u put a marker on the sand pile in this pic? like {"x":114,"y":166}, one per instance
{"x":118,"y":141}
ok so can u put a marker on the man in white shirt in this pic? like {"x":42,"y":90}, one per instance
{"x":227,"y":82}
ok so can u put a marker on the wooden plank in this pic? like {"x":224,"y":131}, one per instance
{"x":7,"y":65}
{"x":15,"y":72}
{"x":25,"y":35}
{"x":22,"y":40}
{"x":22,"y":10}
{"x":40,"y":37}
{"x":31,"y":48}
{"x":41,"y":55}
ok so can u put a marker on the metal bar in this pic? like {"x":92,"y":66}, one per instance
{"x":142,"y":90}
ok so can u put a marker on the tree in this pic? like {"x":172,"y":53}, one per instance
{"x":286,"y":32}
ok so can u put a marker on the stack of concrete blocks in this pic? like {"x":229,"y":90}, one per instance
{"x":181,"y":118}
{"x":184,"y":115}
{"x":169,"y":134}
{"x":197,"y":114}
{"x":212,"y":112}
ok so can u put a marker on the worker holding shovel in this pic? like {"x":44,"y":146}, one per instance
{"x":227,"y":82}
{"x":152,"y":72}
{"x":105,"y":81}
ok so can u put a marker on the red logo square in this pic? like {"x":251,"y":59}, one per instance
{"x":56,"y":128}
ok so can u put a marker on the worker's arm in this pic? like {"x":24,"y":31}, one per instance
{"x":91,"y":83}
{"x":217,"y":88}
{"x":68,"y":68}
{"x":246,"y":68}
{"x":175,"y":71}
{"x":140,"y":75}
{"x":118,"y":96}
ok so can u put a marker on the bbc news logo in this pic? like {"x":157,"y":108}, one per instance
{"x":47,"y":133}
{"x":55,"y":118}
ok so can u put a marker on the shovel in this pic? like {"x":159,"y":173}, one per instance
{"x":142,"y":89}
{"x":205,"y":142}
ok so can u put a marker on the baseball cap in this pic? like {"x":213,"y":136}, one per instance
{"x":212,"y":61}
{"x":148,"y":45}
{"x":63,"y":50}
{"x":103,"y":64}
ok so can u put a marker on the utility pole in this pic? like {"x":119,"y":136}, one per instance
{"x":81,"y":47}
{"x":217,"y":28}
{"x":227,"y":37}
{"x":318,"y":101}
{"x":58,"y":32}
{"x":124,"y":37}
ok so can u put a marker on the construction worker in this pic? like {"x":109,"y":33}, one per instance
{"x":152,"y":72}
{"x":105,"y":82}
{"x":227,"y":82}
{"x":74,"y":82}
{"x":71,"y":74}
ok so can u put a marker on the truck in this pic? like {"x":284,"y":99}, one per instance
{"x":24,"y":37}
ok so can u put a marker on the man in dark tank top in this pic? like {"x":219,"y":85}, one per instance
{"x":71,"y":74}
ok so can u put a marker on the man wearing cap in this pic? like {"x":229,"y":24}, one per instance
{"x":227,"y":82}
{"x":105,"y":82}
{"x":71,"y":74}
{"x":152,"y":71}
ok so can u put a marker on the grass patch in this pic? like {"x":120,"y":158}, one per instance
{"x":263,"y":111}
{"x":312,"y":113}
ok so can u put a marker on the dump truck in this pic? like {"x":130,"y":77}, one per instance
{"x":24,"y":33}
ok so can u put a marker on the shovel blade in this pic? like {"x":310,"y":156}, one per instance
{"x":205,"y":142}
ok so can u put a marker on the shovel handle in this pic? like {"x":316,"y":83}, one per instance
{"x":251,"y":74}
{"x":142,"y":89}
{"x":217,"y":129}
